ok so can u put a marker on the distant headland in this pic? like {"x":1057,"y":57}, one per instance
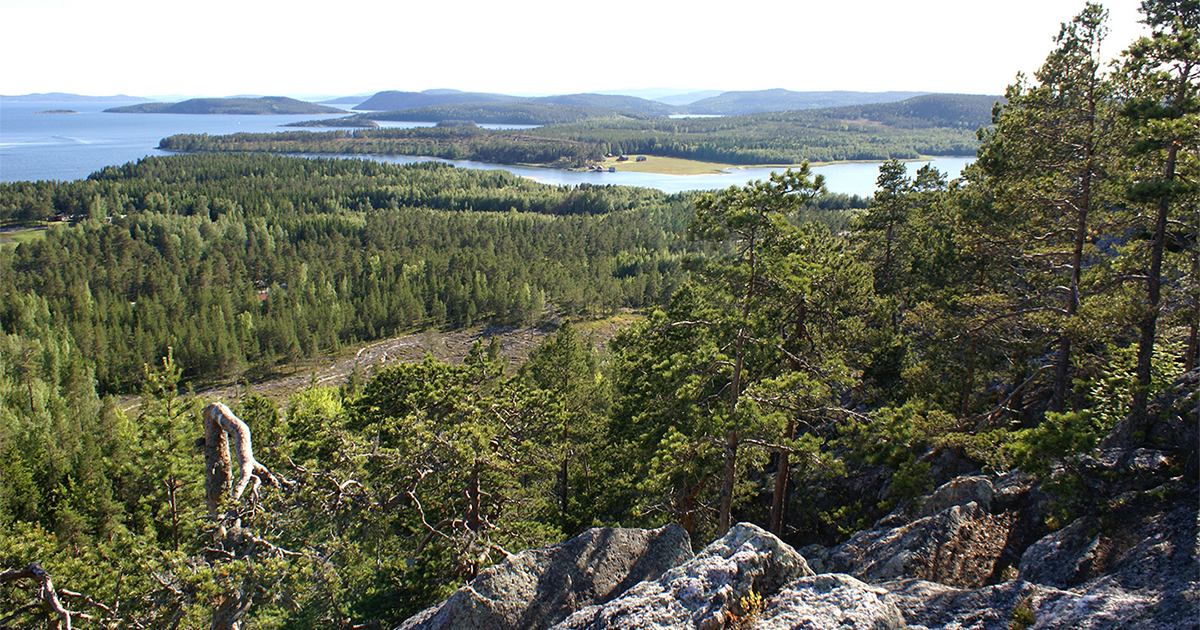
{"x":265,"y":105}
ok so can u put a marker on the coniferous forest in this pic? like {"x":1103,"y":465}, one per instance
{"x":798,"y":364}
{"x":935,"y":124}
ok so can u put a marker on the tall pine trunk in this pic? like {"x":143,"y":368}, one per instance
{"x":1148,"y":326}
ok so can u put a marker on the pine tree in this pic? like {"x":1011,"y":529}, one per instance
{"x":1161,"y":89}
{"x":1049,"y":159}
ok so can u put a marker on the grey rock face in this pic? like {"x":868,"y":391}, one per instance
{"x":1141,"y":566}
{"x":831,"y":600}
{"x":537,"y":588}
{"x":1136,"y":568}
{"x":957,"y":546}
{"x":1134,"y":565}
{"x":701,"y":593}
{"x":932,"y":605}
{"x":960,"y":491}
{"x":1061,"y":558}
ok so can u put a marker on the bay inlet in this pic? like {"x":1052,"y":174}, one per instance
{"x":64,"y":148}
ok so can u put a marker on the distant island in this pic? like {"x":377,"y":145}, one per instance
{"x":267,"y":105}
{"x":57,"y":111}
{"x":64,"y":97}
{"x":348,"y":121}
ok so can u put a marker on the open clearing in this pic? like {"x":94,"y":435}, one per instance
{"x":515,"y":346}
{"x":677,"y":166}
{"x":11,"y":237}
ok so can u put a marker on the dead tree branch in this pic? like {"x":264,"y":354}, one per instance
{"x":220,"y":427}
{"x":46,"y":593}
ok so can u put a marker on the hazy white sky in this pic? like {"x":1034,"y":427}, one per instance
{"x":228,"y":47}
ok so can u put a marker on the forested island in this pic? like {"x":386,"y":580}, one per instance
{"x":978,"y":395}
{"x":266,"y":105}
{"x":451,"y":143}
{"x":922,"y":126}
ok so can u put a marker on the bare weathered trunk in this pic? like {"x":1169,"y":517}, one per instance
{"x":217,"y":468}
{"x":474,"y":522}
{"x":783,"y":471}
{"x":687,"y":508}
{"x":731,"y":446}
{"x":172,"y":494}
{"x":221,"y":425}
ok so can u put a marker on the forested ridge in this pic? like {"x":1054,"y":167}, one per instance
{"x":804,"y":377}
{"x":937,"y":124}
{"x":778,"y":100}
{"x":926,"y":125}
{"x":243,"y":106}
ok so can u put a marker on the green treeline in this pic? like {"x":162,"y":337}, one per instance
{"x":243,"y":262}
{"x":450,"y":143}
{"x":937,"y":124}
{"x":808,"y":379}
{"x":929,"y":125}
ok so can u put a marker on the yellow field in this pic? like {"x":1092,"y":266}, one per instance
{"x":664,"y":166}
{"x":677,"y":166}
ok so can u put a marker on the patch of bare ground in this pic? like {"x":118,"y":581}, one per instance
{"x":516,"y":344}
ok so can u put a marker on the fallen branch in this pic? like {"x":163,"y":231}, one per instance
{"x":34,"y":571}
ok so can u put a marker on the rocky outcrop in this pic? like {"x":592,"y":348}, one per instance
{"x":831,"y":600}
{"x":1151,"y":583}
{"x":1134,"y":566}
{"x":708,"y":592}
{"x":961,"y":491}
{"x":980,"y":553}
{"x":535,"y":589}
{"x":958,"y":546}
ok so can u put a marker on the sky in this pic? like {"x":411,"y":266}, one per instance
{"x":271,"y":47}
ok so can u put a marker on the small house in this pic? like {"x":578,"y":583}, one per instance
{"x":623,"y":158}
{"x":641,"y":158}
{"x":612,"y":169}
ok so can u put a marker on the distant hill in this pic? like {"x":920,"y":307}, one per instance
{"x":345,"y":100}
{"x":63,"y":97}
{"x":238,"y":106}
{"x":393,"y":100}
{"x":609,"y":101}
{"x":528,"y":112}
{"x":960,"y":111}
{"x":670,"y":96}
{"x":779,"y":100}
{"x":688,"y":98}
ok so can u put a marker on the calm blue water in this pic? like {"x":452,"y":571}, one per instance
{"x":72,"y":146}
